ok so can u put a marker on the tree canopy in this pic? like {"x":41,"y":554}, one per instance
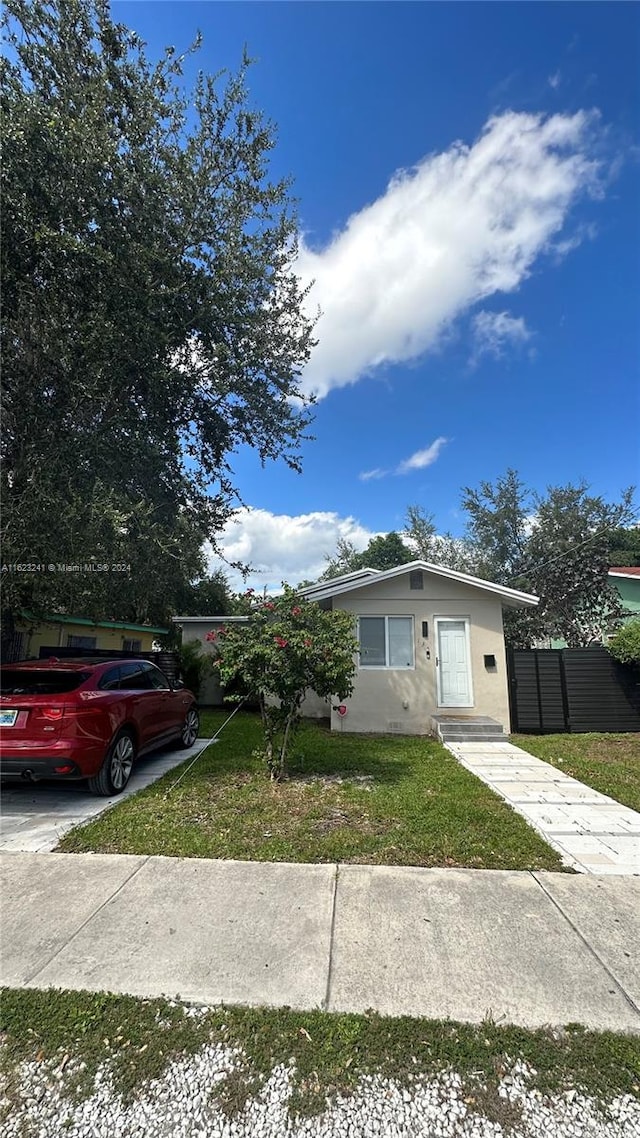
{"x":152,"y":322}
{"x":384,"y":551}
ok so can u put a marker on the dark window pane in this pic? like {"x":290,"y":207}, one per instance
{"x":39,"y":681}
{"x":134,"y":678}
{"x":372,"y":650}
{"x":400,"y":642}
{"x":157,"y":678}
{"x":81,"y":641}
{"x":111,"y":680}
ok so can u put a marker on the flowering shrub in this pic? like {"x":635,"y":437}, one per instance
{"x":288,"y":646}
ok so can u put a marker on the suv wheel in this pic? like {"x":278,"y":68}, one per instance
{"x":116,"y":769}
{"x":190,"y":728}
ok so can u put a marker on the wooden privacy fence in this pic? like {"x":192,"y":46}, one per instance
{"x":571,"y":690}
{"x":168,"y":662}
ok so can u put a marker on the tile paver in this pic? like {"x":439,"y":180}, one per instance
{"x":592,"y":832}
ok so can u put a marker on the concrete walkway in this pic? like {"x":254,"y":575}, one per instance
{"x":524,"y":948}
{"x":592,"y":832}
{"x":35,"y":816}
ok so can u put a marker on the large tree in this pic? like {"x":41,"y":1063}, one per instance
{"x":152,"y":322}
{"x":384,"y":551}
{"x":625,"y":546}
{"x":422,"y":537}
{"x":555,"y":545}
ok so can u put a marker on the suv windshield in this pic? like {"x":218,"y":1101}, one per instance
{"x":39,"y":681}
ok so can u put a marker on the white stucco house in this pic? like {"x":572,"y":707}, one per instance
{"x":431,"y":644}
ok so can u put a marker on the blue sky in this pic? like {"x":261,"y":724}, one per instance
{"x":468,"y":180}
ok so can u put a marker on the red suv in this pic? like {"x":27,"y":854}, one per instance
{"x":76,"y":719}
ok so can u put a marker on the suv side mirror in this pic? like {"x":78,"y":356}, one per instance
{"x":177,"y":685}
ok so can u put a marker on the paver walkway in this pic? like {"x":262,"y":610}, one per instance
{"x":524,"y":948}
{"x":592,"y":832}
{"x":35,"y":816}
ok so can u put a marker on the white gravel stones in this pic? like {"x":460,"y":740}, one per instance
{"x":182,"y":1104}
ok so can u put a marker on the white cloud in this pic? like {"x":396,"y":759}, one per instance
{"x":555,"y":80}
{"x":417,"y":461}
{"x":461,"y":226}
{"x":369,"y":475}
{"x":493,"y":331}
{"x":422,"y":458}
{"x":284,"y":547}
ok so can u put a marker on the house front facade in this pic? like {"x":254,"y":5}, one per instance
{"x":431,"y":643}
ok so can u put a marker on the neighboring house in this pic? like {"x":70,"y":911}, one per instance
{"x":55,"y":631}
{"x":431,"y":643}
{"x":626,"y":581}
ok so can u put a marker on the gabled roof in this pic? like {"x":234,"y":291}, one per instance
{"x":632,"y":571}
{"x":311,"y":590}
{"x":512,"y":598}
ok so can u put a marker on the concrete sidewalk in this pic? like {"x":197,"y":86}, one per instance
{"x":524,"y":948}
{"x":592,"y":832}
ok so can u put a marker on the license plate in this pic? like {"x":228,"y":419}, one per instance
{"x":8,"y":718}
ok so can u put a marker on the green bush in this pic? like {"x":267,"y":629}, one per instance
{"x":624,"y":645}
{"x":194,"y":665}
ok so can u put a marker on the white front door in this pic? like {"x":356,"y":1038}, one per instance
{"x":453,"y":664}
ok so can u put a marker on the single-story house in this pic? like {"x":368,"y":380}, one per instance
{"x":431,"y":643}
{"x":56,"y":631}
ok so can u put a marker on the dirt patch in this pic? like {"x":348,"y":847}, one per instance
{"x":364,"y":781}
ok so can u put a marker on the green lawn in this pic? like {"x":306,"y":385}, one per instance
{"x":608,"y":763}
{"x":327,"y":1053}
{"x":383,"y":800}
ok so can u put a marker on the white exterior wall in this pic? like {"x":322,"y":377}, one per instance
{"x":379,"y":697}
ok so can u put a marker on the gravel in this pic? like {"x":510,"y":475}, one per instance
{"x":183,"y":1104}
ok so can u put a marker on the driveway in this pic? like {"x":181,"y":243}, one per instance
{"x":35,"y":816}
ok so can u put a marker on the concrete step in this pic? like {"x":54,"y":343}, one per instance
{"x":473,"y":737}
{"x":469,"y":725}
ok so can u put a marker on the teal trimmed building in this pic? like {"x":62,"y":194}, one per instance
{"x":626,"y":581}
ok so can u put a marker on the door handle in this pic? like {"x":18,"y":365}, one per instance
{"x":437,"y":661}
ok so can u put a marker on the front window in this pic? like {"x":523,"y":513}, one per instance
{"x":386,"y":641}
{"x":81,"y":641}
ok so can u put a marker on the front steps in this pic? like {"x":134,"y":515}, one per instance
{"x":468,"y":729}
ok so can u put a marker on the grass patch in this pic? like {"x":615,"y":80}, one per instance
{"x":607,"y":763}
{"x":381,"y":800}
{"x":139,"y":1038}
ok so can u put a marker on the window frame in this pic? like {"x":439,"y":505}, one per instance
{"x":134,"y":645}
{"x":387,"y":667}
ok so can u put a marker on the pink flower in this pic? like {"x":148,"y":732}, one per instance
{"x":308,"y":642}
{"x":211,"y":636}
{"x":296,"y":610}
{"x":281,"y":642}
{"x":269,"y":605}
